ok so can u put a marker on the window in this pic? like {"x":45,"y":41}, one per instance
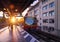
{"x":40,"y":23}
{"x":40,"y":18}
{"x":45,"y":14}
{"x":51,"y":13}
{"x":45,"y":7}
{"x":51,"y":20}
{"x":45,"y":20}
{"x":43,"y":1}
{"x":36,"y":11}
{"x":51,"y":4}
{"x":51,"y":29}
{"x":30,"y":12}
{"x":39,"y":27}
{"x":45,"y":27}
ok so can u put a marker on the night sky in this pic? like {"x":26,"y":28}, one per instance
{"x":21,"y":5}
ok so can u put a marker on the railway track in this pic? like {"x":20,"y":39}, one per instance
{"x":44,"y":36}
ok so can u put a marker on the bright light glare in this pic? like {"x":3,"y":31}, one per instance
{"x":1,"y":13}
{"x":25,"y":11}
{"x":20,"y":19}
{"x":13,"y":20}
{"x":6,"y":16}
{"x":34,"y":3}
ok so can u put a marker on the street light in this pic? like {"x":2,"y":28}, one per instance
{"x":12,"y":20}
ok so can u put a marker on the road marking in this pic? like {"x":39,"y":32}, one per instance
{"x":28,"y":39}
{"x":32,"y":40}
{"x":26,"y":35}
{"x":22,"y":32}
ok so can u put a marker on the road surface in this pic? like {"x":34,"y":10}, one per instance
{"x":17,"y":35}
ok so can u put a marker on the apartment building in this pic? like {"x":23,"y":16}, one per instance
{"x":47,"y":13}
{"x":48,"y":16}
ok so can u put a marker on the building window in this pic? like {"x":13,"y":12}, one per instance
{"x":45,"y":14}
{"x":40,"y":18}
{"x":44,"y":1}
{"x":45,"y":20}
{"x":45,"y":7}
{"x":51,"y":20}
{"x":51,"y":29}
{"x":39,"y":27}
{"x":36,"y":11}
{"x":45,"y":27}
{"x":40,"y":23}
{"x":51,"y":4}
{"x":51,"y":13}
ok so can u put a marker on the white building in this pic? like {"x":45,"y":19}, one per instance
{"x":47,"y":13}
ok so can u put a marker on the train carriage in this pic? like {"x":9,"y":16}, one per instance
{"x":30,"y":23}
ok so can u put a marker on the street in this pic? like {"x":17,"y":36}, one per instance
{"x":17,"y":35}
{"x":6,"y":35}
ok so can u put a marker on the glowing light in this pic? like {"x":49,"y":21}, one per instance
{"x":34,"y":3}
{"x":4,"y":8}
{"x":13,"y":20}
{"x":6,"y":15}
{"x":20,"y":19}
{"x":25,"y":11}
{"x":12,"y":6}
{"x":16,"y":10}
{"x":1,"y":13}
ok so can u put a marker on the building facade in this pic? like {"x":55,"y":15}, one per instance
{"x":48,"y":15}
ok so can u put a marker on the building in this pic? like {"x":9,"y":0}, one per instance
{"x":47,"y":17}
{"x":47,"y":13}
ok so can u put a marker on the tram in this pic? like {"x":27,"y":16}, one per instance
{"x":30,"y":23}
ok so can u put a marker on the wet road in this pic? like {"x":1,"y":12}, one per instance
{"x":17,"y":35}
{"x":6,"y":35}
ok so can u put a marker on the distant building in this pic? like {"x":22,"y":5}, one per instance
{"x":47,"y":13}
{"x":1,"y":14}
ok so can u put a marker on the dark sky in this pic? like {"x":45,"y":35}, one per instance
{"x":19,"y":4}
